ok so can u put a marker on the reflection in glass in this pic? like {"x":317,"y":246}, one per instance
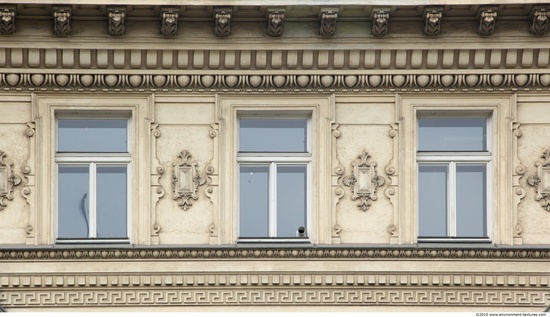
{"x":291,"y":199}
{"x":432,"y":200}
{"x":73,"y":201}
{"x":263,"y":135}
{"x":471,"y":200}
{"x":112,"y":201}
{"x":452,"y":134}
{"x":253,"y":201}
{"x":92,"y":135}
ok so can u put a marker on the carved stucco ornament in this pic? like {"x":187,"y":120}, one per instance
{"x":432,"y":26}
{"x":117,"y":18}
{"x":62,"y":21}
{"x":380,"y":21}
{"x":327,"y":20}
{"x":275,"y":22}
{"x":539,"y":21}
{"x":7,"y":180}
{"x":222,"y":22}
{"x":542,"y":180}
{"x":364,"y":179}
{"x":186,"y":180}
{"x":7,"y":20}
{"x":487,"y":22}
{"x":169,"y":27}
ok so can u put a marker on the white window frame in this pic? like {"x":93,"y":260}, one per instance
{"x":274,"y":159}
{"x":321,"y":111}
{"x":92,"y":160}
{"x":502,"y":109}
{"x":140,"y":109}
{"x":450,"y":159}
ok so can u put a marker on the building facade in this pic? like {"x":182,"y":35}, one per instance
{"x":334,"y":155}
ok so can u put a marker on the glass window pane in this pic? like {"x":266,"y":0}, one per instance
{"x":452,"y":134}
{"x":111,"y":205}
{"x":254,"y":201}
{"x":471,"y":200}
{"x":432,"y":200}
{"x":73,"y":201}
{"x":291,"y":199}
{"x":285,"y":135}
{"x":92,"y":135}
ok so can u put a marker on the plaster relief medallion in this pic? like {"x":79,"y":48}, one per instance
{"x":186,"y":180}
{"x":364,"y":180}
{"x":7,"y":180}
{"x":541,"y":181}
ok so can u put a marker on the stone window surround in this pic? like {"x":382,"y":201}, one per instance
{"x":44,"y":109}
{"x":502,"y":109}
{"x":321,"y":110}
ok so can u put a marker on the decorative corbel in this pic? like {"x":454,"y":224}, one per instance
{"x":327,"y":20}
{"x":7,"y":180}
{"x":380,"y":21}
{"x":117,"y":19}
{"x":487,"y":21}
{"x":222,"y":22}
{"x":186,"y":180}
{"x":7,"y":20}
{"x":62,"y":21}
{"x":275,"y":22}
{"x":364,"y":179}
{"x":542,"y":180}
{"x":432,"y":26}
{"x":169,"y":27}
{"x":539,"y":21}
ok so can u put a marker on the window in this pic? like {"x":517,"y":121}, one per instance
{"x":274,"y":158}
{"x":456,"y":171}
{"x":454,"y":164}
{"x":93,"y":158}
{"x":92,"y":178}
{"x":275,"y":153}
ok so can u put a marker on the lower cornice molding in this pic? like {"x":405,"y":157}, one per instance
{"x":352,"y":82}
{"x":273,"y":253}
{"x":302,"y":296}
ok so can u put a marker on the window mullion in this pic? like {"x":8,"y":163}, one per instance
{"x":272,"y":199}
{"x":451,"y":220}
{"x":92,"y":221}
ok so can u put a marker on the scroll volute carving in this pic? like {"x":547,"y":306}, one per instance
{"x":7,"y":20}
{"x":186,"y":180}
{"x":222,"y":22}
{"x":380,"y":21}
{"x":487,"y":22}
{"x":539,"y":21}
{"x":169,"y":27}
{"x":432,"y":26}
{"x":364,"y":180}
{"x":117,"y":18}
{"x":327,"y":21}
{"x":275,"y":22}
{"x":7,"y":180}
{"x":541,"y":181}
{"x":62,"y":21}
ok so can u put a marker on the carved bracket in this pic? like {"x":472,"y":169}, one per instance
{"x":169,"y":27}
{"x":186,"y":180}
{"x":7,"y":180}
{"x":487,"y":22}
{"x":62,"y":21}
{"x":380,"y":21}
{"x":7,"y":20}
{"x":539,"y":21}
{"x":327,"y":19}
{"x":222,"y":22}
{"x":542,"y":180}
{"x":364,"y":179}
{"x":117,"y":18}
{"x":432,"y":26}
{"x":275,"y":22}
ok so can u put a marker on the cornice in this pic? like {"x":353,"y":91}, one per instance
{"x":273,"y":253}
